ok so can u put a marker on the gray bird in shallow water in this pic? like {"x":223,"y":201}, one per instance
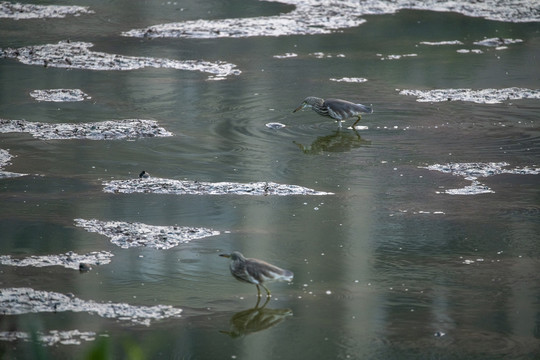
{"x":144,"y":175}
{"x":337,"y":109}
{"x":256,"y":271}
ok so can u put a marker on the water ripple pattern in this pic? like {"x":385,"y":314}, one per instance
{"x":313,"y":17}
{"x":54,"y":337}
{"x":18,"y":11}
{"x":105,"y":130}
{"x":59,"y":95}
{"x":483,"y":96}
{"x":5,"y":158}
{"x":182,"y":187}
{"x":77,"y":55}
{"x":17,"y":301}
{"x":69,"y":260}
{"x":128,"y":235}
{"x":473,"y":171}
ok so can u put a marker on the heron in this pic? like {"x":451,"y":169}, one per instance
{"x":337,"y":109}
{"x":255,"y":271}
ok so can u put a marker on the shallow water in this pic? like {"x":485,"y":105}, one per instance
{"x":414,"y":236}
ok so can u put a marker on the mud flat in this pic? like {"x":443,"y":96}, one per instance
{"x":128,"y":235}
{"x":5,"y":160}
{"x":59,"y":95}
{"x":77,"y":55}
{"x":483,"y":96}
{"x":69,"y":260}
{"x":186,"y":187}
{"x":106,"y":130}
{"x":17,"y":301}
{"x":18,"y":11}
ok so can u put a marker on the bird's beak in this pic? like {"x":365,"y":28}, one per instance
{"x":225,"y":255}
{"x":299,"y":108}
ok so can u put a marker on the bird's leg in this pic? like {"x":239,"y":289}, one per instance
{"x":258,"y":301}
{"x":258,"y":290}
{"x":356,"y":122}
{"x":266,"y":302}
{"x":267,"y":291}
{"x":339,"y":124}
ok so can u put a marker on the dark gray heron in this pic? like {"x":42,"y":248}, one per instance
{"x":339,"y":110}
{"x":255,"y":271}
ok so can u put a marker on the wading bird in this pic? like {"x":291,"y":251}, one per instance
{"x":339,"y":110}
{"x":256,"y":271}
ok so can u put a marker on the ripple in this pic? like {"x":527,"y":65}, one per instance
{"x":17,"y":301}
{"x":18,"y":11}
{"x":105,"y":130}
{"x":59,"y":95}
{"x":483,"y":96}
{"x":76,"y":55}
{"x":178,"y":187}
{"x":127,"y":235}
{"x":69,"y":260}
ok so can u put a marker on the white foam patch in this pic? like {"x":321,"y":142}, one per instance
{"x":497,"y":42}
{"x":275,"y":125}
{"x":311,"y":17}
{"x":77,"y":55}
{"x":441,"y":43}
{"x":54,"y":337}
{"x":349,"y":79}
{"x":18,"y":301}
{"x":483,"y":96}
{"x":18,"y":11}
{"x":69,"y":260}
{"x":185,"y":187}
{"x":473,"y":171}
{"x":286,"y":56}
{"x":105,"y":130}
{"x":5,"y":160}
{"x":128,"y":235}
{"x":396,"y":57}
{"x":468,"y":51}
{"x":59,"y":95}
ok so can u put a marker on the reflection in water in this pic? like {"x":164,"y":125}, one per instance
{"x":340,"y":141}
{"x":256,"y":319}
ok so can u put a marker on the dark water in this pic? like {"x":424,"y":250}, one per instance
{"x":389,"y":267}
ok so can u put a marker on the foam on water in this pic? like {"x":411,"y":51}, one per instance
{"x":440,"y":43}
{"x":127,"y":235}
{"x":59,"y":95}
{"x":77,"y":55}
{"x":18,"y":11}
{"x":349,"y":79}
{"x":286,"y":56}
{"x":69,"y":260}
{"x":17,"y":301}
{"x":54,"y":337}
{"x":105,"y":130}
{"x":311,"y":17}
{"x":396,"y":57}
{"x":483,"y":96}
{"x":497,"y":42}
{"x":183,"y":187}
{"x":5,"y":158}
{"x":275,"y":125}
{"x":473,"y":171}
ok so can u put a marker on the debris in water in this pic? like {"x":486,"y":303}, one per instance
{"x":106,"y":130}
{"x":496,"y":42}
{"x":127,"y":235}
{"x":440,"y":43}
{"x":286,"y":56}
{"x":186,"y":187}
{"x":18,"y":11}
{"x":59,"y":95}
{"x":472,"y":171}
{"x":77,"y":55}
{"x":54,"y":337}
{"x":17,"y":301}
{"x":5,"y":158}
{"x":275,"y":125}
{"x":349,"y":79}
{"x":395,"y":57}
{"x":483,"y":96}
{"x":69,"y":260}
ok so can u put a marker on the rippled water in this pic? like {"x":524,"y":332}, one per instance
{"x":415,"y":236}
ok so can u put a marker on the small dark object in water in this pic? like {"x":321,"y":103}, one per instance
{"x":256,"y":271}
{"x":144,"y":175}
{"x":336,"y":109}
{"x":84,"y":267}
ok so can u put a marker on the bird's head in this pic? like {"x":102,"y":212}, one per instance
{"x":309,"y":102}
{"x":234,"y":256}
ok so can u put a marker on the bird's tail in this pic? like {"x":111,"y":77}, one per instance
{"x":366,"y":109}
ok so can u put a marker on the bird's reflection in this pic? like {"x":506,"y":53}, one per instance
{"x":255,"y":319}
{"x":340,"y":141}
